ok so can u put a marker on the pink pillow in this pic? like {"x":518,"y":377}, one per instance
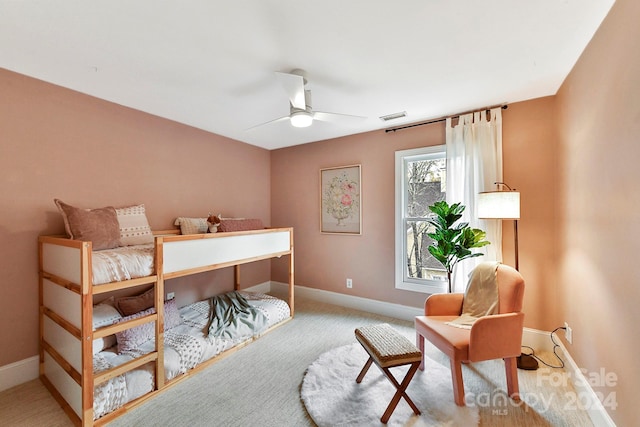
{"x":130,"y":339}
{"x":99,"y":226}
{"x":171,"y":315}
{"x":136,"y":304}
{"x":231,"y":224}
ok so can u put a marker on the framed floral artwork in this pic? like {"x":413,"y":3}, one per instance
{"x":340,"y":200}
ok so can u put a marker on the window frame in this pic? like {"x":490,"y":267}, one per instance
{"x":403,"y":282}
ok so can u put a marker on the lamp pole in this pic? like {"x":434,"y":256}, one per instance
{"x":515,"y":236}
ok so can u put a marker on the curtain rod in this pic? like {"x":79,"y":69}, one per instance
{"x":442,"y":119}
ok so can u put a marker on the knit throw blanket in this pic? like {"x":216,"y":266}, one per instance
{"x":232,"y":317}
{"x":481,"y":296}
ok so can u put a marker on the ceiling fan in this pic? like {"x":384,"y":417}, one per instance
{"x":301,"y":113}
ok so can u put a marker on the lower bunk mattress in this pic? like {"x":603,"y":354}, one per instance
{"x":185,"y":346}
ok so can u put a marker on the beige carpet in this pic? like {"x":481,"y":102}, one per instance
{"x":260,"y":384}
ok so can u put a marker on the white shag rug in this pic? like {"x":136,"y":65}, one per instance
{"x":333,"y":398}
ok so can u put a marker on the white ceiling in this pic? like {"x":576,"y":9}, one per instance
{"x":210,"y":64}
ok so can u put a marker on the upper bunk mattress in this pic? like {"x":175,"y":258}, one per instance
{"x":123,"y":263}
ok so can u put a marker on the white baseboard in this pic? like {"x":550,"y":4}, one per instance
{"x":26,"y":370}
{"x":263,"y":288}
{"x":19,"y":372}
{"x":537,"y":339}
{"x":534,"y":338}
{"x":358,"y":303}
{"x":586,"y":395}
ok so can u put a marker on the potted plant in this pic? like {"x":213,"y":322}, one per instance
{"x":452,"y":243}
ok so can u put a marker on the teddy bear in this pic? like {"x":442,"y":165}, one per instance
{"x":214,"y":222}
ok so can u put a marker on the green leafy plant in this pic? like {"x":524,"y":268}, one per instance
{"x":452,"y":243}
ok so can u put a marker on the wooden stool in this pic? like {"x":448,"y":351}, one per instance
{"x":387,"y":348}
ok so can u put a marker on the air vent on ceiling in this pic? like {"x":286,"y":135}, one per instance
{"x":393,"y":116}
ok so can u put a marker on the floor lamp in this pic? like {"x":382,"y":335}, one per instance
{"x":501,"y":204}
{"x":505,"y":204}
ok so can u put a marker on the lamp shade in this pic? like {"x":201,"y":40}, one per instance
{"x":499,"y":205}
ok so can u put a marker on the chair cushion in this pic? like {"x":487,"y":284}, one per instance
{"x":452,"y":341}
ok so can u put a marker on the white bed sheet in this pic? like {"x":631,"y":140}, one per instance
{"x":185,"y":348}
{"x":123,"y":263}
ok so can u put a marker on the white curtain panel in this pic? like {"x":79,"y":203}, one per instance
{"x":474,"y":164}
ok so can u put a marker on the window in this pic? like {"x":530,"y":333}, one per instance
{"x":420,"y":182}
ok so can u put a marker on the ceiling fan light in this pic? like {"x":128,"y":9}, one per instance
{"x":301,"y":119}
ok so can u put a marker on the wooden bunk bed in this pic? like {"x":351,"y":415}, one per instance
{"x":66,"y":300}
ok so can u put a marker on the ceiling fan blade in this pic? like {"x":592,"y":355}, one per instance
{"x":279,"y":119}
{"x":346,"y":119}
{"x":293,"y":85}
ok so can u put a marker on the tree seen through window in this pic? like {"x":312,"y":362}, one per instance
{"x":425,"y":185}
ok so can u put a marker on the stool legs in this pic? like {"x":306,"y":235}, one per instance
{"x":401,"y":392}
{"x":400,"y":388}
{"x":420,"y":345}
{"x":364,"y":370}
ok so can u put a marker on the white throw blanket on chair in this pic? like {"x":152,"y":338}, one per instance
{"x":481,"y":296}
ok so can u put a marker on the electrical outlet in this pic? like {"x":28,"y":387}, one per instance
{"x":568,"y":333}
{"x":171,"y":295}
{"x":349,"y":283}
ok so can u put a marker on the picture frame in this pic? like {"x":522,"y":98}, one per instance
{"x":341,"y":200}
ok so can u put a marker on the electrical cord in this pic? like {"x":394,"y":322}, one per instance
{"x":555,"y":347}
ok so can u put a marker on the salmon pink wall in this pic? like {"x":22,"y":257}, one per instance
{"x":599,"y":207}
{"x":91,"y":153}
{"x":530,"y":153}
{"x":324,"y":261}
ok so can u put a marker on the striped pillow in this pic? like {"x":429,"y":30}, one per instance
{"x":192,"y":225}
{"x":134,"y":226}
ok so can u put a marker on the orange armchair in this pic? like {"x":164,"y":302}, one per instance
{"x":497,"y":336}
